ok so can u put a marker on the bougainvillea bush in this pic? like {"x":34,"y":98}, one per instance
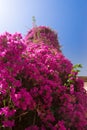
{"x":39,"y":87}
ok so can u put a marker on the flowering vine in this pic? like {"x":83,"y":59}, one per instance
{"x":39,"y":89}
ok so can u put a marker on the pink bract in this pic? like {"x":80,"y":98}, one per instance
{"x":39,"y":90}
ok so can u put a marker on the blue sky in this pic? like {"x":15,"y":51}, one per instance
{"x":67,"y":17}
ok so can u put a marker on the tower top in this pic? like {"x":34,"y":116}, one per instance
{"x":34,"y":21}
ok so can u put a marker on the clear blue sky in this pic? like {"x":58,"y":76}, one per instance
{"x":67,"y":17}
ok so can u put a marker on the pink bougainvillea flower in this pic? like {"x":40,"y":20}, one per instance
{"x":39,"y":90}
{"x":8,"y":123}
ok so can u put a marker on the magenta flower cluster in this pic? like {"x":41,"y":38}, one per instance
{"x":39,"y":89}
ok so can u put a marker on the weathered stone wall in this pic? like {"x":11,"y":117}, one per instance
{"x":85,"y":85}
{"x":85,"y":81}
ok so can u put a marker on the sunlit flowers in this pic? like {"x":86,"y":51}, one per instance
{"x":39,"y":89}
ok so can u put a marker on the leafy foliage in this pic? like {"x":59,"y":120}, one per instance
{"x":39,"y":87}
